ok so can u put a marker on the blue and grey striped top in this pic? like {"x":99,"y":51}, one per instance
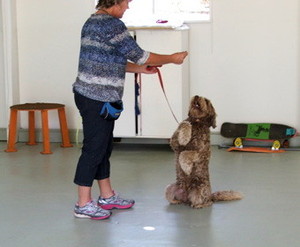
{"x":106,"y":46}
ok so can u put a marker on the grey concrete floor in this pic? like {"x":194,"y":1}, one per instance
{"x":38,"y":196}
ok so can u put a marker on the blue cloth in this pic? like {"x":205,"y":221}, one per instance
{"x":106,"y":46}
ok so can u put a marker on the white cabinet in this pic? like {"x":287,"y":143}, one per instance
{"x":156,"y":119}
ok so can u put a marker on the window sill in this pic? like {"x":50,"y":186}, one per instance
{"x":153,"y":22}
{"x":183,"y":27}
{"x":197,"y":18}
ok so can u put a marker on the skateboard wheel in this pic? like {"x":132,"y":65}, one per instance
{"x":238,"y":142}
{"x":286,"y":144}
{"x":276,"y":145}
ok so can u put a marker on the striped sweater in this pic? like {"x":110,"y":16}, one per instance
{"x":106,"y":46}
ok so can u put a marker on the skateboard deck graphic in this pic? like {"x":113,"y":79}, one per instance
{"x":260,"y":131}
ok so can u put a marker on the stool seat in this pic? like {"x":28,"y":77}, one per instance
{"x":37,"y":106}
{"x":43,"y":108}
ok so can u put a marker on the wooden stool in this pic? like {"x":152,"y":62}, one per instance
{"x":31,"y":108}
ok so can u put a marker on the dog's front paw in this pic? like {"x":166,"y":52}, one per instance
{"x":186,"y":161}
{"x":184,"y":133}
{"x":181,"y":136}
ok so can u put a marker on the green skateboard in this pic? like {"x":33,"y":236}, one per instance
{"x":279,"y":134}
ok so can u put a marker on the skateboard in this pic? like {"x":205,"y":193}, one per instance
{"x":278,"y":134}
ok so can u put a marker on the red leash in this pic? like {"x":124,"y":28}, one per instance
{"x":163,"y":89}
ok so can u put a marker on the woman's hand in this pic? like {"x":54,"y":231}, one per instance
{"x":145,"y":69}
{"x":179,"y":57}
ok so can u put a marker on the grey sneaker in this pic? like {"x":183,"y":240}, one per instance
{"x":115,"y":202}
{"x":91,"y":211}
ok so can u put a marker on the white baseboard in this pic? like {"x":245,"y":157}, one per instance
{"x":3,"y":134}
{"x":77,"y":137}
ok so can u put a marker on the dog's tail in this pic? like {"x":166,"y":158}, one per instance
{"x":228,"y":195}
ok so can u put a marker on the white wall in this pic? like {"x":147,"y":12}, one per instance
{"x":246,"y":60}
{"x":3,"y":117}
{"x":49,"y":39}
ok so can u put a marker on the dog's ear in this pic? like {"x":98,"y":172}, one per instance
{"x":212,"y":114}
{"x":213,"y":121}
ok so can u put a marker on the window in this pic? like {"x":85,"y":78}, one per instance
{"x":172,"y":10}
{"x":185,"y":9}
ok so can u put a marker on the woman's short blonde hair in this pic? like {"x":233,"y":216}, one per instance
{"x":105,"y":4}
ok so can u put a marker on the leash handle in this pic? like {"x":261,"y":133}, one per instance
{"x":163,"y":89}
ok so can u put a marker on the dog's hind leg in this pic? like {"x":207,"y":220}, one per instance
{"x":174,"y":194}
{"x":200,"y":197}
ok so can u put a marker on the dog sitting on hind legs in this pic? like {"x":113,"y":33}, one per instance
{"x":191,"y":145}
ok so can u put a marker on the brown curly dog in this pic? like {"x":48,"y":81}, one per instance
{"x":191,"y":144}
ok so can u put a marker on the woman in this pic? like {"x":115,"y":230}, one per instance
{"x":106,"y":48}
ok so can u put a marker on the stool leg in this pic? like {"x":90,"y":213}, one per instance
{"x":64,"y":128}
{"x":12,"y":131}
{"x":31,"y":124}
{"x":45,"y":130}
